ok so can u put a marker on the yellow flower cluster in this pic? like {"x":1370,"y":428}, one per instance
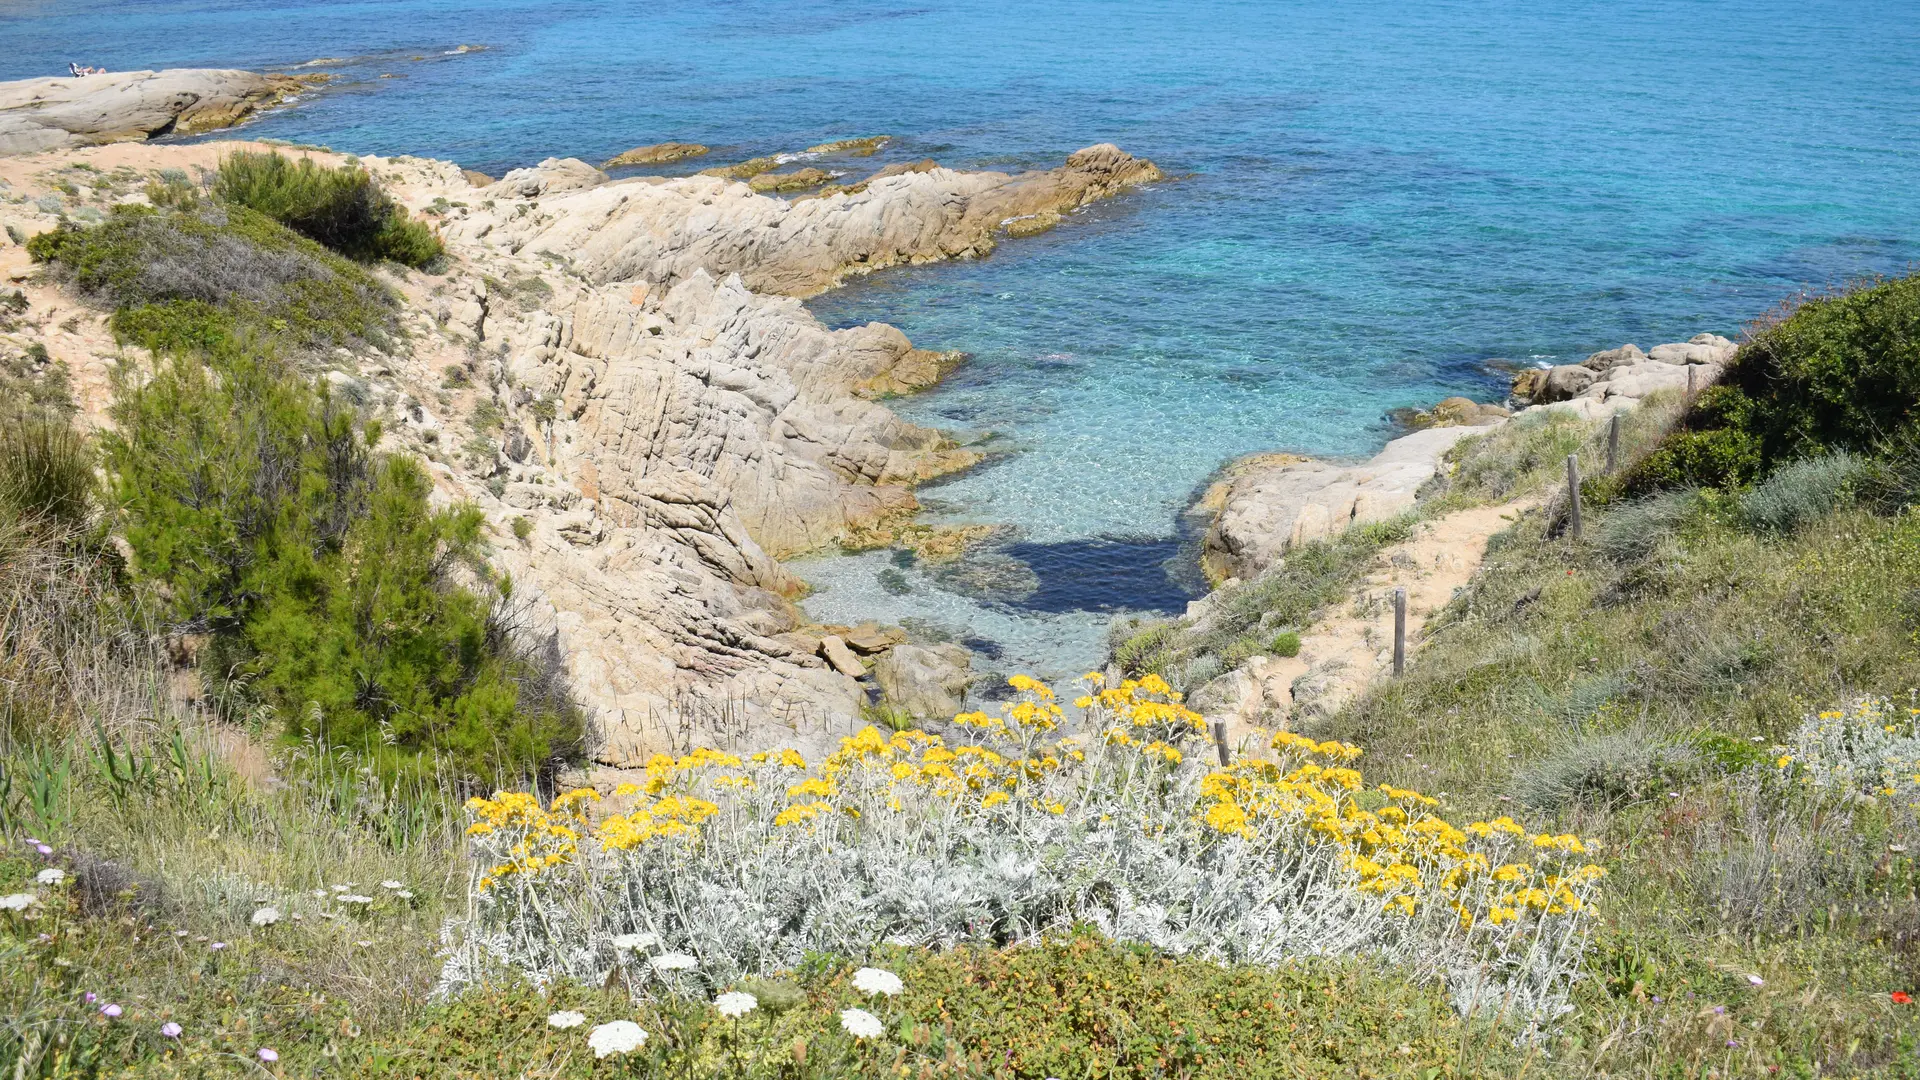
{"x":1297,"y":798}
{"x":530,"y":839}
{"x":1387,"y":837}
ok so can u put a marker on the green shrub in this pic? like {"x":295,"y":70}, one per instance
{"x":1838,"y":373}
{"x":1286,"y":643}
{"x":342,"y":208}
{"x":254,"y":273}
{"x":328,"y":581}
{"x":1802,"y":491}
{"x":46,"y":470}
{"x":1605,"y":770}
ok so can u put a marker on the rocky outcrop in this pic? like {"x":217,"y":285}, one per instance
{"x":1618,"y":378}
{"x":55,"y":113}
{"x":656,"y":154}
{"x":662,"y":232}
{"x":1266,"y":510}
{"x":797,"y":180}
{"x":645,"y":432}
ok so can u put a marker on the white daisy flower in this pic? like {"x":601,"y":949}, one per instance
{"x":635,"y":942}
{"x":391,"y":884}
{"x":566,"y":1019}
{"x":861,"y":1024}
{"x":354,"y":898}
{"x":403,"y":894}
{"x":52,"y":875}
{"x":266,"y":916}
{"x":618,"y":1037}
{"x":19,"y":901}
{"x":736,"y":1004}
{"x":877,"y":981}
{"x":674,"y":961}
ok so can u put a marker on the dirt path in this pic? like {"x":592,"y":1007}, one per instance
{"x":1352,"y":644}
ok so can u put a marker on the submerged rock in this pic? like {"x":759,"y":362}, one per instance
{"x":656,"y":154}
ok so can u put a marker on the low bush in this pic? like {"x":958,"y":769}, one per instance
{"x":227,"y":269}
{"x":1607,"y":770}
{"x":342,"y":208}
{"x":725,"y":866}
{"x":1633,"y":530}
{"x":1803,"y":491}
{"x":1285,"y":643}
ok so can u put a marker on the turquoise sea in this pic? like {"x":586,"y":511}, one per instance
{"x":1374,"y":205}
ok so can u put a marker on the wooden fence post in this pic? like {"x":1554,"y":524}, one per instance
{"x":1220,"y":742}
{"x":1693,"y":374}
{"x":1573,"y":495}
{"x":1400,"y":630}
{"x":1613,"y":443}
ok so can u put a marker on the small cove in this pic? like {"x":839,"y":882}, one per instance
{"x":1371,"y":206}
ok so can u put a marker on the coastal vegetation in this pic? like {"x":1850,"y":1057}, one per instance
{"x":278,"y":770}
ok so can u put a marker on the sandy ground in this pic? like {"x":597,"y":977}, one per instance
{"x":1350,"y":647}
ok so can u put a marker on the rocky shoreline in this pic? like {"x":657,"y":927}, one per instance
{"x":1267,"y":503}
{"x":621,"y":375}
{"x":62,"y":112}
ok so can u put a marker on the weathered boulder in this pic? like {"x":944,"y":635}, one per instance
{"x":52,"y":113}
{"x":656,"y":154}
{"x":1607,"y":359}
{"x":928,"y":681}
{"x":554,"y":176}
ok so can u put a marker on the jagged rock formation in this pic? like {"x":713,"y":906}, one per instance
{"x":53,"y":113}
{"x":661,"y":231}
{"x":644,"y":430}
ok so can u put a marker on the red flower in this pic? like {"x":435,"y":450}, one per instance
{"x":1901,"y":997}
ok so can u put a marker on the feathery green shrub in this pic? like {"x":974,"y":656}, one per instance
{"x":342,"y":208}
{"x":333,"y":589}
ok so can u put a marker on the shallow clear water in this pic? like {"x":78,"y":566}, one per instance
{"x":1372,"y":200}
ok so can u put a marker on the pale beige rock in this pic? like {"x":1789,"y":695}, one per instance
{"x":929,"y":682}
{"x":664,"y":232}
{"x":840,"y":657}
{"x":1266,"y":511}
{"x":58,"y":112}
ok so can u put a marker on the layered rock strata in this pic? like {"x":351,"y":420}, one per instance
{"x":53,"y":113}
{"x":661,"y":231}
